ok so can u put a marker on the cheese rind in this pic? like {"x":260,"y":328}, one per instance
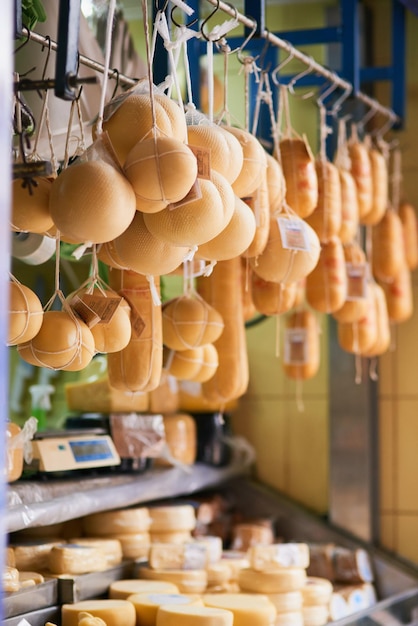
{"x":248,"y":609}
{"x":274,"y":581}
{"x":315,"y":615}
{"x":75,"y":559}
{"x":189,"y":555}
{"x":316,"y":591}
{"x":279,"y":555}
{"x":187,"y":581}
{"x":147,"y":604}
{"x":121,"y":589}
{"x":112,"y":612}
{"x":33,"y":555}
{"x":193,"y":616}
{"x":288,"y":602}
{"x":112,"y":548}
{"x":132,"y":520}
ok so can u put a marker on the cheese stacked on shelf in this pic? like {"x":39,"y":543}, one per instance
{"x":147,"y":605}
{"x":316,"y":597}
{"x":128,"y":526}
{"x":112,"y":612}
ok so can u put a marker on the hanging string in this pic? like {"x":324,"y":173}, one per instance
{"x":273,"y":123}
{"x":278,"y":329}
{"x":210,"y":78}
{"x":284,"y":103}
{"x":299,"y":396}
{"x":258,"y":100}
{"x":144,"y":5}
{"x":67,"y":139}
{"x":108,"y":47}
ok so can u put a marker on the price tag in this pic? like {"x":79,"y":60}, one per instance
{"x":357,"y":278}
{"x":93,"y":309}
{"x":293,"y":234}
{"x":203,"y":161}
{"x":296,"y":346}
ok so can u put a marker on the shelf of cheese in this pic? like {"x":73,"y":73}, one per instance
{"x":39,"y":503}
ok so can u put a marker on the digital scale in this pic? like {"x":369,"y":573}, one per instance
{"x":73,"y":450}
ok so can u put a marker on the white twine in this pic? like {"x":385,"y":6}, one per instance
{"x":108,"y":47}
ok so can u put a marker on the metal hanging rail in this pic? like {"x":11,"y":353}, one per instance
{"x":313,"y":65}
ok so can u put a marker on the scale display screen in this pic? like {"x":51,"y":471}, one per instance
{"x":91,"y":450}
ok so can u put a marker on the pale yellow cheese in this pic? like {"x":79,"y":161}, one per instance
{"x":112,"y":548}
{"x":172,"y":518}
{"x":132,"y":520}
{"x":315,"y":615}
{"x":214,"y":546}
{"x":292,"y":618}
{"x":75,"y":559}
{"x":112,"y":612}
{"x":179,"y":536}
{"x":248,"y":609}
{"x":236,"y":560}
{"x":279,"y":555}
{"x":189,"y":555}
{"x":10,"y":579}
{"x":274,"y":581}
{"x":30,"y":579}
{"x":33,"y":555}
{"x":218,"y":574}
{"x":147,"y":604}
{"x":287,"y":602}
{"x":193,"y":616}
{"x":121,"y":589}
{"x":187,"y":581}
{"x":134,"y":545}
{"x":316,"y":591}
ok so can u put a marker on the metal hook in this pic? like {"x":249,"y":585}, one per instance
{"x":240,"y":57}
{"x":368,"y":116}
{"x":22,"y":45}
{"x":48,"y":54}
{"x":188,"y":25}
{"x":336,"y":107}
{"x":222,"y":43}
{"x":206,"y":20}
{"x":327,"y":92}
{"x":282,"y":65}
{"x":292,"y":83}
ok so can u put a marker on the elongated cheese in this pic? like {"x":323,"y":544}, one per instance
{"x":170,"y":615}
{"x":326,"y":219}
{"x":248,"y":609}
{"x":272,"y":581}
{"x":112,"y":612}
{"x":147,"y":604}
{"x":122,"y":589}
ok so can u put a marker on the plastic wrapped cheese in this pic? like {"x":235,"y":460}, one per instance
{"x":410,"y":233}
{"x":349,"y":207}
{"x":326,"y":285}
{"x":275,"y":183}
{"x":355,"y":305}
{"x":254,"y":162}
{"x":302,"y":356}
{"x":326,"y":219}
{"x":259,"y":203}
{"x":300,"y":175}
{"x":362,"y":174}
{"x":388,"y":254}
{"x":382,"y":343}
{"x":380,"y":187}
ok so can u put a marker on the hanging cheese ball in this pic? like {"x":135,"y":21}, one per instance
{"x":193,"y":223}
{"x":279,"y":264}
{"x":139,"y":250}
{"x":30,"y":210}
{"x":114,"y":335}
{"x":355,"y":305}
{"x":254,"y":162}
{"x":326,"y":285}
{"x":388,"y":254}
{"x":210,"y":362}
{"x":184,"y":364}
{"x":300,"y":176}
{"x":261,"y":209}
{"x":189,"y":321}
{"x":107,"y":254}
{"x":272,"y":298}
{"x":132,"y":121}
{"x":226,"y":154}
{"x":25,"y":314}
{"x":304,"y":355}
{"x":161,"y":170}
{"x":399,"y":296}
{"x":234,"y":239}
{"x":358,"y":337}
{"x":410,"y":233}
{"x":382,"y":342}
{"x":276,"y":184}
{"x":380,"y":187}
{"x":349,"y":207}
{"x":92,"y":201}
{"x":62,"y":343}
{"x":361,"y":171}
{"x":326,"y":218}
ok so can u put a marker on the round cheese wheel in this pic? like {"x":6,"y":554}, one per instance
{"x":76,"y":559}
{"x":25,"y":314}
{"x":147,"y":605}
{"x":112,"y":612}
{"x":86,"y":619}
{"x":316,"y":591}
{"x":254,"y":162}
{"x":111,"y":548}
{"x":248,"y":609}
{"x":213,"y":544}
{"x":380,"y":187}
{"x":92,"y":201}
{"x":189,"y":322}
{"x":388,"y":255}
{"x":210,"y":362}
{"x":218,"y":574}
{"x":279,"y":555}
{"x":287,"y":602}
{"x":326,"y":218}
{"x":290,"y":618}
{"x":171,"y":536}
{"x":246,"y":535}
{"x":193,"y":223}
{"x":315,"y":615}
{"x":168,"y":556}
{"x":30,"y":208}
{"x":161,"y":170}
{"x":399,"y":296}
{"x":355,"y":305}
{"x":304,"y":320}
{"x":141,"y":251}
{"x":326,"y":285}
{"x":382,"y":343}
{"x":106,"y":252}
{"x":300,"y":175}
{"x":272,"y":298}
{"x":33,"y":555}
{"x":362,"y":174}
{"x":63,"y":342}
{"x":132,"y":121}
{"x":272,"y":581}
{"x":134,"y":545}
{"x":184,"y":364}
{"x":338,"y":607}
{"x":130,"y":520}
{"x":410,"y":233}
{"x":349,"y":207}
{"x":122,"y":589}
{"x":192,"y":581}
{"x":180,"y":435}
{"x":234,"y":239}
{"x":279,"y":264}
{"x":114,"y":335}
{"x":226,"y":154}
{"x":276,"y":184}
{"x":172,"y":518}
{"x":236,"y":560}
{"x":170,"y":615}
{"x":30,"y":579}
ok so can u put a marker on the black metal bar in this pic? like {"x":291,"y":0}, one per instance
{"x":66,"y":67}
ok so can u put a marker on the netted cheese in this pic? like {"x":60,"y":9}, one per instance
{"x":30,"y":207}
{"x":259,"y":204}
{"x":189,"y":321}
{"x":210,"y":362}
{"x":161,"y":171}
{"x":180,"y":436}
{"x":184,"y":364}
{"x":63,"y":342}
{"x":253,"y":165}
{"x":272,"y":298}
{"x":275,"y":183}
{"x":355,"y":305}
{"x":399,"y":296}
{"x":25,"y":314}
{"x":362,"y":174}
{"x":226,"y":154}
{"x":92,"y":201}
{"x":358,"y":337}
